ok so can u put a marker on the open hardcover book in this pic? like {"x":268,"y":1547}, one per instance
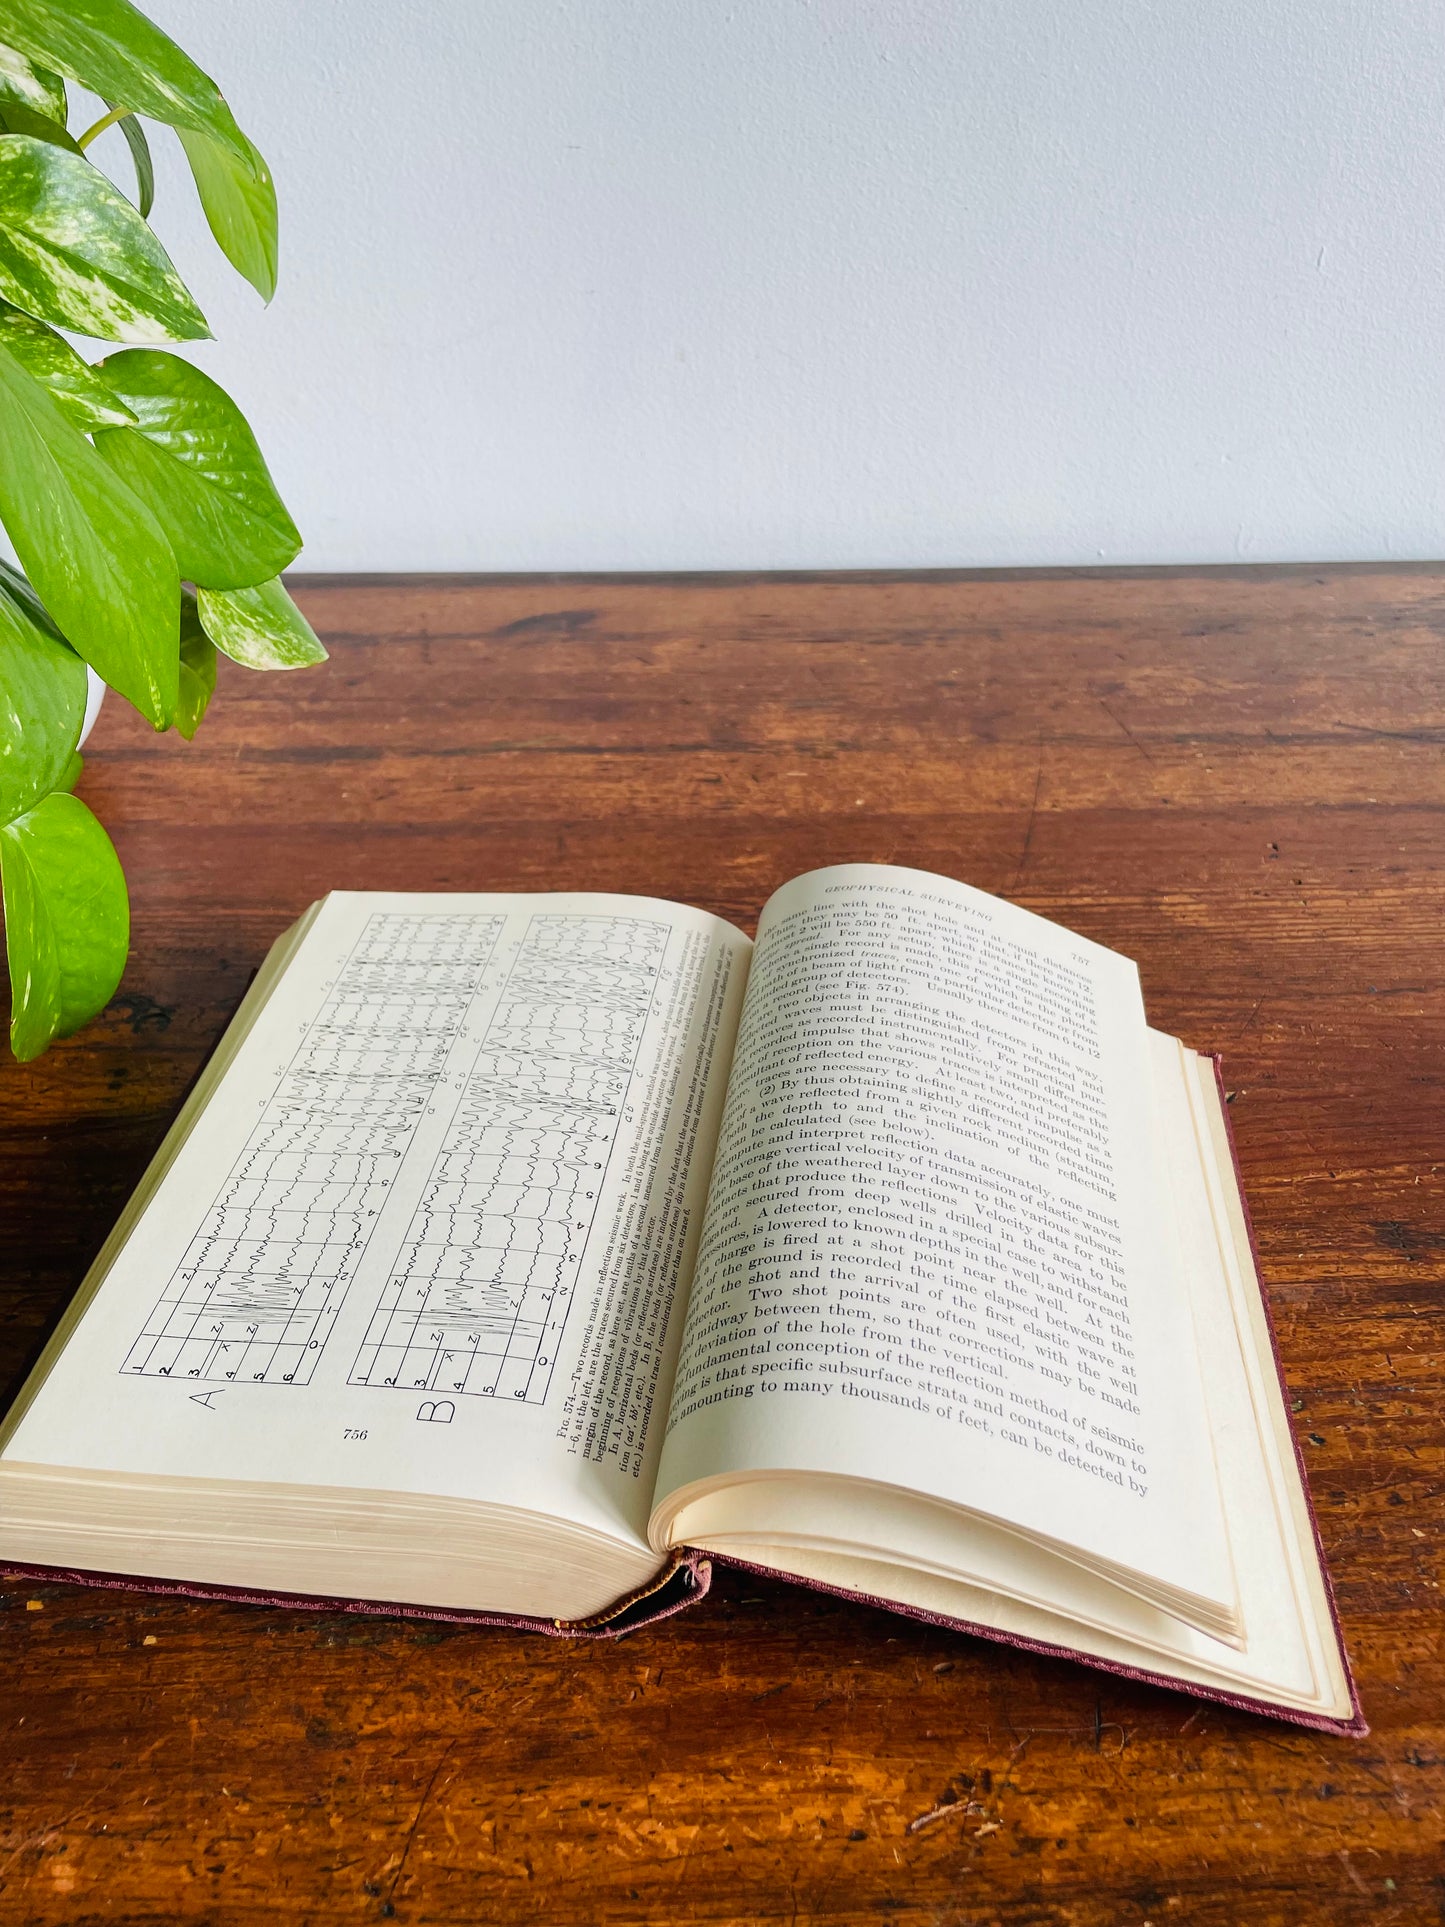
{"x":518,"y":1256}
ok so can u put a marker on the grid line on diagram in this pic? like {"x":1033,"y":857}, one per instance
{"x":478,"y":1298}
{"x":259,"y":1288}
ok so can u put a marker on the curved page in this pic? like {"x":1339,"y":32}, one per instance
{"x":935,"y":1254}
{"x":429,"y":1234}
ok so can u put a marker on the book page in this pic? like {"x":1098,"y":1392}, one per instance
{"x":934,"y":1255}
{"x":1293,"y":1656}
{"x":428,"y":1235}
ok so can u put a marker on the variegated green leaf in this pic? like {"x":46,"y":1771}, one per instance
{"x":240,"y":206}
{"x":74,"y":252}
{"x":34,"y":87}
{"x":140,"y":155}
{"x":16,"y":118}
{"x":93,"y":551}
{"x":67,"y":920}
{"x":42,"y":706}
{"x":20,"y":591}
{"x":260,"y":627}
{"x":198,"y":669}
{"x":111,"y":47}
{"x":193,"y":458}
{"x":53,"y":362}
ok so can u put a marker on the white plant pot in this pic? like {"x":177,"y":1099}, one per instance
{"x":94,"y":697}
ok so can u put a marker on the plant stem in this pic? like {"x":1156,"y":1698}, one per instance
{"x":106,"y":120}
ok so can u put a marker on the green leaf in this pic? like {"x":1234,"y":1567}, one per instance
{"x":94,"y":552}
{"x":198,"y":669}
{"x":19,"y":590}
{"x":50,"y":358}
{"x":260,"y":627}
{"x":72,"y":773}
{"x":16,"y":118}
{"x":42,"y":706}
{"x":30,"y":86}
{"x":74,"y":252}
{"x":67,"y":921}
{"x":193,"y":459}
{"x":140,"y":154}
{"x":240,"y":205}
{"x":111,"y":47}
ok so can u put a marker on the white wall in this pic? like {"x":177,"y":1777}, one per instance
{"x":654,"y":284}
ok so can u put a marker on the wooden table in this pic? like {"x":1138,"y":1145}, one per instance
{"x":1237,"y":777}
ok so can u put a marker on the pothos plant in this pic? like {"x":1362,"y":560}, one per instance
{"x":131,"y":489}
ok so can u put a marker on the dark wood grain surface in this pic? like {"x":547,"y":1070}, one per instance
{"x":1235,"y":776}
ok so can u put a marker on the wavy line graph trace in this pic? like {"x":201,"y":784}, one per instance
{"x":479,"y":1296}
{"x":259,"y":1288}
